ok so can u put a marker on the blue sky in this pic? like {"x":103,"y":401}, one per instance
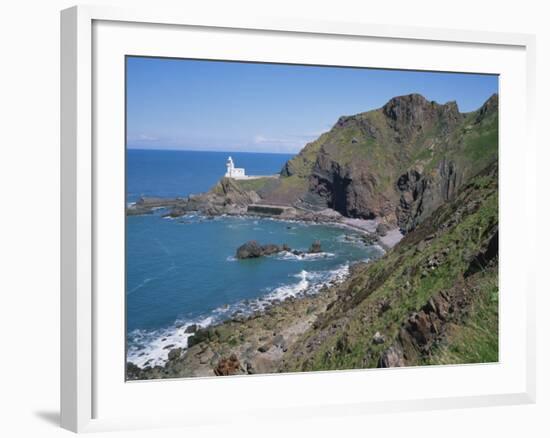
{"x":231,"y":106}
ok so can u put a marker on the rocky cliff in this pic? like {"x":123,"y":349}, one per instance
{"x":432,"y":299}
{"x":397,"y":163}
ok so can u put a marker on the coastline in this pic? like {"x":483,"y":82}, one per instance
{"x":287,"y":317}
{"x":367,"y":227}
{"x":259,"y":339}
{"x":422,"y":303}
{"x":179,"y":346}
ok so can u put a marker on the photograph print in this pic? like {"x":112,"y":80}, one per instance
{"x":295,"y":218}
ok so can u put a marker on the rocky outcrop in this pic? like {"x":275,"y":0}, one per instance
{"x":146,"y":205}
{"x":421,"y":194}
{"x":350,"y":189}
{"x":226,"y":197}
{"x":397,"y":163}
{"x":412,"y":115}
{"x":253,"y":249}
{"x":228,"y":366}
{"x":422,"y":303}
{"x":414,"y":305}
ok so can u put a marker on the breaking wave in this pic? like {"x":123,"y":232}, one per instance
{"x":151,"y":348}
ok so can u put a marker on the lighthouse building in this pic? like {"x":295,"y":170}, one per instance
{"x":232,"y":171}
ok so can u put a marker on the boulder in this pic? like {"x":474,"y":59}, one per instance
{"x":270,"y":249}
{"x":382,"y":229}
{"x":253,"y":249}
{"x":378,"y":338}
{"x":191,"y":329}
{"x":250,"y":249}
{"x":174,"y":354}
{"x":228,"y":366}
{"x":199,"y":336}
{"x":392,"y":357}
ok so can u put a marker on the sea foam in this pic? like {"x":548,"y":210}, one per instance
{"x":151,"y":348}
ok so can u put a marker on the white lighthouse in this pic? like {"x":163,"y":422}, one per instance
{"x":232,"y":171}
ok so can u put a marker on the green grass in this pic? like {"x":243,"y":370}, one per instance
{"x":477,"y":340}
{"x":253,"y":184}
{"x":480,"y":146}
{"x":401,"y":278}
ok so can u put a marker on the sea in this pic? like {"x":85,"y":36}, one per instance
{"x":182,"y":271}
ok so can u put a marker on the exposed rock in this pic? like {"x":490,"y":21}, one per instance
{"x":191,"y":328}
{"x":392,"y":357}
{"x":228,"y":366}
{"x":378,"y":338}
{"x":279,"y":341}
{"x":133,"y":372}
{"x":359,"y":178}
{"x":199,"y":336}
{"x":174,"y":353}
{"x":250,"y":249}
{"x":422,"y":194}
{"x":487,"y":255}
{"x":382,"y":229}
{"x":264,"y":348}
{"x":253,"y":249}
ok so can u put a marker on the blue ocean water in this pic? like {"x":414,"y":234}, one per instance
{"x":181,"y":173}
{"x":182,"y":271}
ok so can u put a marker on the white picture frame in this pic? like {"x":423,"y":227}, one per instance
{"x":93,"y":392}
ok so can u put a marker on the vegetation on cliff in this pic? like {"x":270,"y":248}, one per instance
{"x":432,"y":299}
{"x":397,"y":163}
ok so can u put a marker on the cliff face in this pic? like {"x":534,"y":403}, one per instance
{"x":433,"y":299}
{"x":398,"y":163}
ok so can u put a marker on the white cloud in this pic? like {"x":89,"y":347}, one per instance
{"x":145,"y":137}
{"x":289,"y":143}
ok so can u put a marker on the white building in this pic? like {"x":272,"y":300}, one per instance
{"x":232,"y":171}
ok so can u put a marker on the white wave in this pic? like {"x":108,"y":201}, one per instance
{"x":231,"y":259}
{"x":152,"y":348}
{"x":291,"y":290}
{"x":287,"y":255}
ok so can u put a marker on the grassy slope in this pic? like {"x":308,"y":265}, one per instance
{"x":476,"y":341}
{"x":453,"y":235}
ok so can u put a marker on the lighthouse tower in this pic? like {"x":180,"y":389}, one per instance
{"x":232,"y":171}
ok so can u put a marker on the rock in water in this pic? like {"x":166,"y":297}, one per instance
{"x":315,"y":247}
{"x":253,"y":249}
{"x":250,"y":249}
{"x":192,"y":328}
{"x":270,"y":248}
